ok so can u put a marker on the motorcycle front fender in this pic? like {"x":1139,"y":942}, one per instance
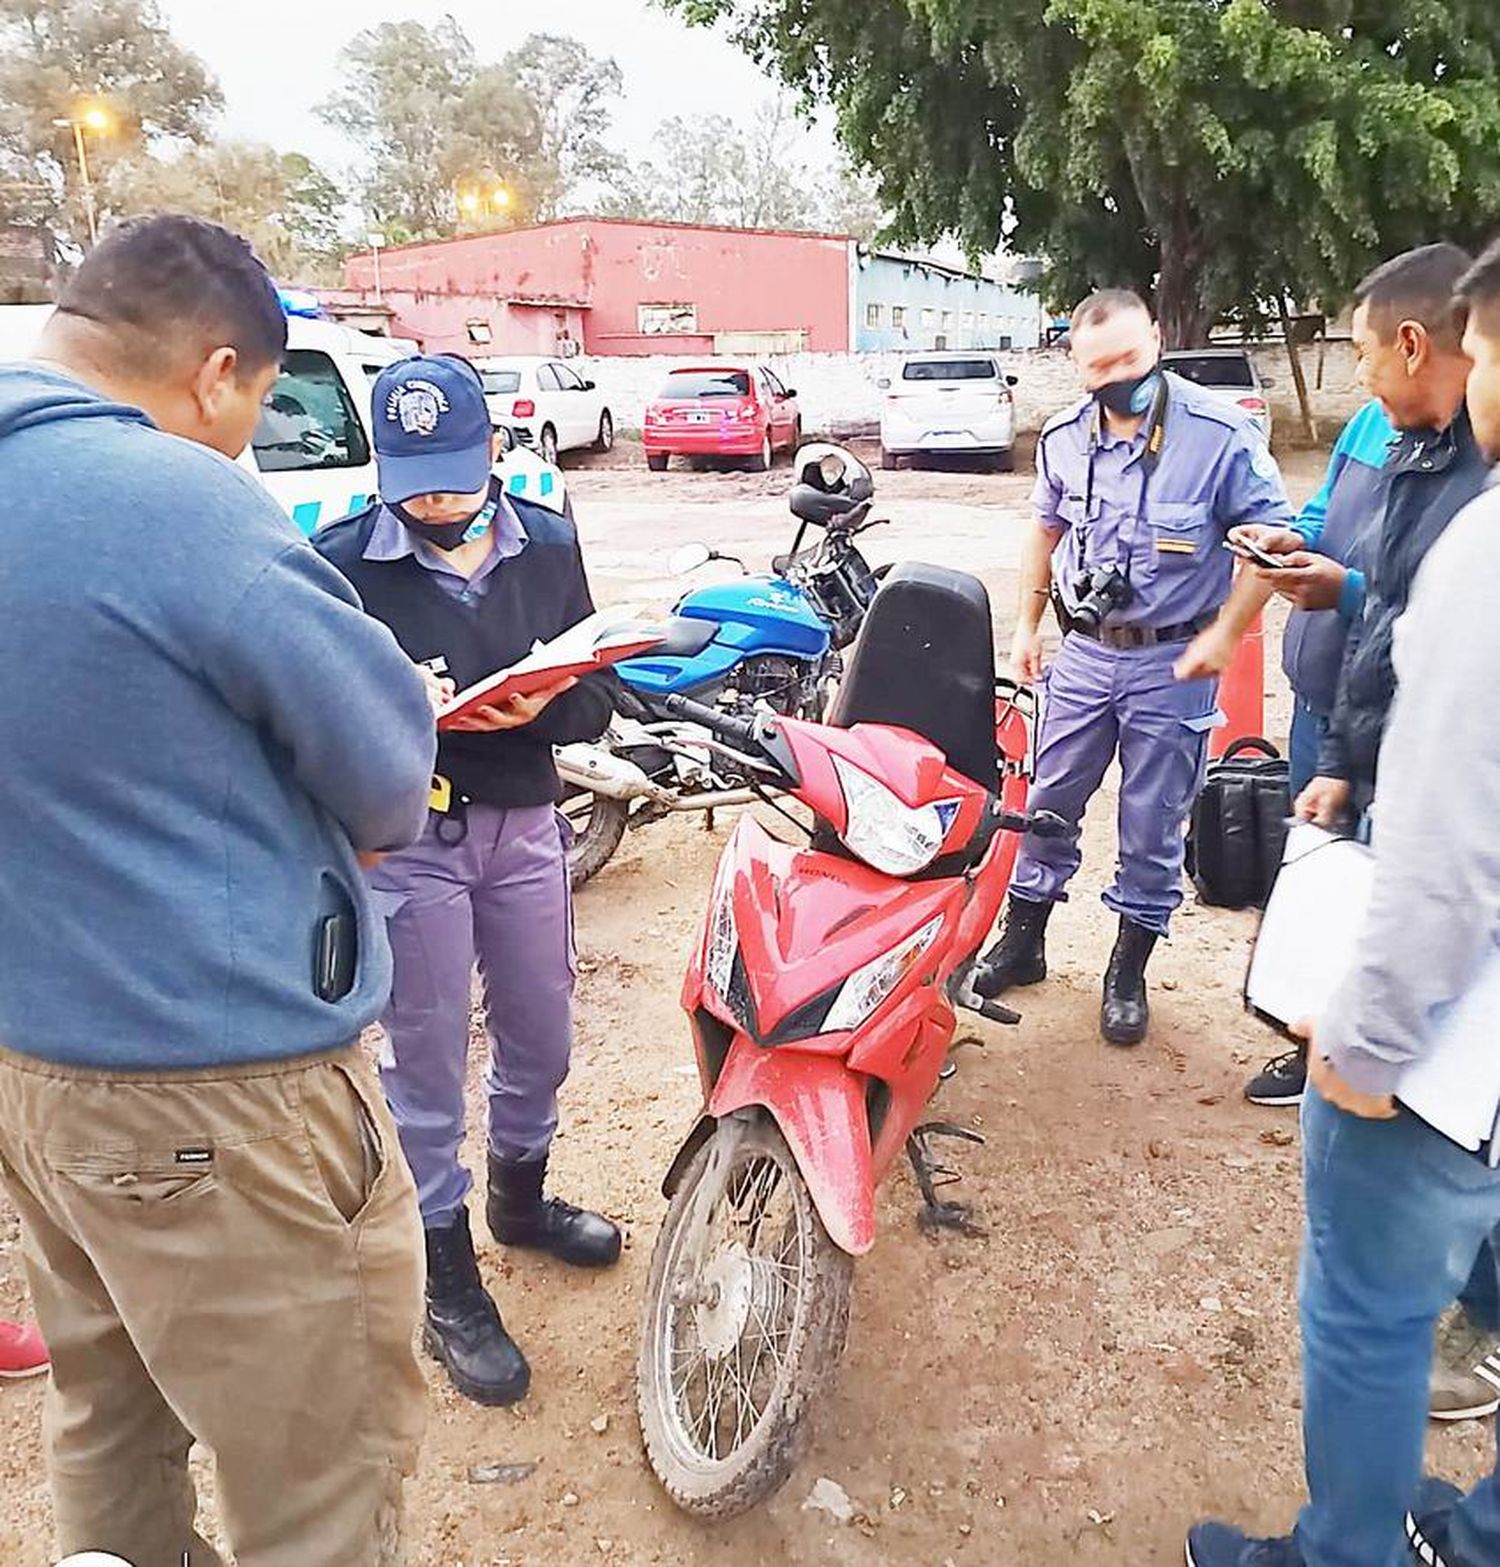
{"x":819,"y":1107}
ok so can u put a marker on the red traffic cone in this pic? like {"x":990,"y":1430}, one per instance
{"x":1242,"y":693}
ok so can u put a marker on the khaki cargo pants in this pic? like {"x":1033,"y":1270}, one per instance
{"x":229,"y":1256}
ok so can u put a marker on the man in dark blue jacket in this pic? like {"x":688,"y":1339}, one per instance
{"x":469,"y":577}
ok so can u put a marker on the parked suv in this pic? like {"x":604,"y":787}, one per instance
{"x":722,"y":410}
{"x":949,"y":404}
{"x":1230,"y":374}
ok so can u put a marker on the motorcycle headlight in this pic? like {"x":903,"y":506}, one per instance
{"x":883,"y":830}
{"x":723,"y":939}
{"x":867,"y":987}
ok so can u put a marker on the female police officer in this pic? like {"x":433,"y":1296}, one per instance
{"x":462,"y":573}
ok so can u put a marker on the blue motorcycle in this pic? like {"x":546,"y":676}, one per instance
{"x":771,"y":642}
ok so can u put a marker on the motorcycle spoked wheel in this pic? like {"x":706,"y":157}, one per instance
{"x":745,"y":1315}
{"x":598,"y":824}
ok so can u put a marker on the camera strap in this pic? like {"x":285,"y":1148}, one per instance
{"x":1156,"y":439}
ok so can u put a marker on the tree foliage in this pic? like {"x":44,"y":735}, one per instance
{"x":282,"y":203}
{"x":745,"y":174}
{"x":432,"y":121}
{"x":56,"y":55}
{"x":1225,"y":153}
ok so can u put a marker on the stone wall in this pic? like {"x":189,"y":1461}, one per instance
{"x":839,"y":393}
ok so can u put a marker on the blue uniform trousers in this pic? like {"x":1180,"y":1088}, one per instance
{"x":500,"y":897}
{"x":1102,"y":702}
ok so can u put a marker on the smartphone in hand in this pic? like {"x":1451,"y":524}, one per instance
{"x":1253,"y":552}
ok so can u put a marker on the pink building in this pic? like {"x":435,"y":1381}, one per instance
{"x":614,"y":287}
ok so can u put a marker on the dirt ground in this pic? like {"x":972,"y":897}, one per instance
{"x":1115,"y":1359}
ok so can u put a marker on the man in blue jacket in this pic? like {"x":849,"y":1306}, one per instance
{"x":201,"y":732}
{"x":1323,"y":579}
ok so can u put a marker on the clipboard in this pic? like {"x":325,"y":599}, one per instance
{"x":592,"y":645}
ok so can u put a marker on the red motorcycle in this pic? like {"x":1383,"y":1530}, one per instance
{"x":822,"y":999}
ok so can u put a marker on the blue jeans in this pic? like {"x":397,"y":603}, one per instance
{"x":1302,"y":747}
{"x":1396,"y":1216}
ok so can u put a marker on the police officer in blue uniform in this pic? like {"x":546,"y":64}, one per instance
{"x":1137,"y":486}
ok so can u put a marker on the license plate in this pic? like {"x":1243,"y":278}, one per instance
{"x":699,"y":418}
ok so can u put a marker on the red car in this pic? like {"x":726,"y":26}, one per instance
{"x":722,"y":410}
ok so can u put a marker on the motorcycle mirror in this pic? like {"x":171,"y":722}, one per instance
{"x":689,"y":558}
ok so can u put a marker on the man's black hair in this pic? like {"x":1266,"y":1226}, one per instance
{"x":1479,"y":290}
{"x":163,"y":286}
{"x":1419,"y":285}
{"x":1107,"y":302}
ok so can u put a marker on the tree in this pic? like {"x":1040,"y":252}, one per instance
{"x":58,"y":54}
{"x":432,"y":122}
{"x":1228,"y":154}
{"x":281,"y":202}
{"x":570,"y":93}
{"x":718,"y":170}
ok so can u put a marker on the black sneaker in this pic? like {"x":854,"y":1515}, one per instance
{"x":1280,"y":1082}
{"x":1427,"y":1523}
{"x":1222,"y":1545}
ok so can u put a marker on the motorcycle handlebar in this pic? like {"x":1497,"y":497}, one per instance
{"x":742,"y":733}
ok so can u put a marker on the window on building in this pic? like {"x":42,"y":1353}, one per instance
{"x":479,"y":332}
{"x":667,"y":320}
{"x":898,"y":318}
{"x":309,"y":420}
{"x":874,"y":316}
{"x":947,"y":320}
{"x":929,"y":320}
{"x":984,"y":320}
{"x":969,"y":320}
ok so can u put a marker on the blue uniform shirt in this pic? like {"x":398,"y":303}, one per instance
{"x":1214,"y":471}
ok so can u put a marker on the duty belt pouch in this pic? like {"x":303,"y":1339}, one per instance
{"x":1237,"y":829}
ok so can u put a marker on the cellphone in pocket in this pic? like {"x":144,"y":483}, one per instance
{"x":334,"y":957}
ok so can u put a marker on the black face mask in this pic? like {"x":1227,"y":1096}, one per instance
{"x":1129,"y":398}
{"x":446,"y":535}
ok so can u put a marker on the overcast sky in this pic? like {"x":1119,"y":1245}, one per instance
{"x":276,"y":60}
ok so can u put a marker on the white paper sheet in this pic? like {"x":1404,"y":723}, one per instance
{"x":1311,"y":924}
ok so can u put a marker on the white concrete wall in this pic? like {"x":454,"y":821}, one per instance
{"x":839,"y":394}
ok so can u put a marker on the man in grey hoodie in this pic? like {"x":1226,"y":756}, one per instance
{"x":201,"y":733}
{"x":1396,"y":1211}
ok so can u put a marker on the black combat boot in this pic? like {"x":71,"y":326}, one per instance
{"x":519,"y":1215}
{"x":464,"y":1329}
{"x":1124,"y":1014}
{"x":1020,"y":955}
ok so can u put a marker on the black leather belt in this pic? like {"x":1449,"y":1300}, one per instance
{"x":1142,"y":636}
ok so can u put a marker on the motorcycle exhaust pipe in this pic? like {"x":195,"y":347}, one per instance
{"x":600,"y":772}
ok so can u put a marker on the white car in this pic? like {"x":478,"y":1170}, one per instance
{"x":312,"y":450}
{"x":950,"y":404}
{"x":1230,"y":374}
{"x":549,"y":405}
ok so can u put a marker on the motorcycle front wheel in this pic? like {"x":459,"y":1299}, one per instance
{"x":744,"y":1320}
{"x":598,"y":824}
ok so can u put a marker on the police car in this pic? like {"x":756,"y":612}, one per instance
{"x":312,"y":449}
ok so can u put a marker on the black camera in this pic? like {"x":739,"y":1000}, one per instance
{"x":1099,"y":593}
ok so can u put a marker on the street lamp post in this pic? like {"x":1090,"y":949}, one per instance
{"x":95,"y":119}
{"x":484,"y":203}
{"x":375,"y":241}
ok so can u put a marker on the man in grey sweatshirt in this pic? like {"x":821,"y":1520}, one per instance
{"x":1396,"y":1211}
{"x":201,"y":733}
